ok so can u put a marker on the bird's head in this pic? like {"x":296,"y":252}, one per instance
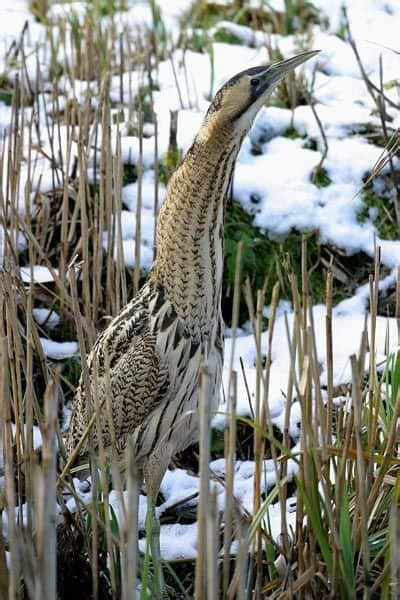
{"x":238,"y":101}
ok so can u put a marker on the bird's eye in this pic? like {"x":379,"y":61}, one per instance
{"x":254,"y":81}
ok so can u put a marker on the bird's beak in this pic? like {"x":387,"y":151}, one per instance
{"x":275,"y":72}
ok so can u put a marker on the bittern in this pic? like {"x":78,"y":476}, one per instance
{"x":154,"y":348}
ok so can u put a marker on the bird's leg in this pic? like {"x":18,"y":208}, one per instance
{"x":153,"y":532}
{"x":153,"y":544}
{"x":154,"y":471}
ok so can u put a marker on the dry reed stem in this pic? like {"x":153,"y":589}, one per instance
{"x":212,"y":546}
{"x":46,"y":504}
{"x":129,"y":534}
{"x":204,"y":495}
{"x":230,"y":432}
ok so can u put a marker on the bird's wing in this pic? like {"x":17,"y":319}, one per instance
{"x":138,"y":383}
{"x":127,"y":375}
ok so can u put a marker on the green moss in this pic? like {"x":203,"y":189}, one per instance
{"x":143,"y":101}
{"x":205,"y":15}
{"x":341,"y":31}
{"x":118,"y":117}
{"x":263,"y":257}
{"x":7,"y":88}
{"x":393,"y":83}
{"x":373,"y":131}
{"x":298,"y":15}
{"x":289,"y":92}
{"x":292,"y":134}
{"x":129,"y":174}
{"x":275,"y":100}
{"x":226,"y":36}
{"x":380,"y":211}
{"x":217,"y":442}
{"x":71,"y":370}
{"x":39,"y":10}
{"x":6,"y":96}
{"x":168,"y":164}
{"x":310,"y":144}
{"x":320,"y":177}
{"x":198,"y":41}
{"x":245,"y":442}
{"x":108,"y":8}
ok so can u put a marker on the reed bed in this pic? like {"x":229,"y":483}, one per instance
{"x":346,"y":539}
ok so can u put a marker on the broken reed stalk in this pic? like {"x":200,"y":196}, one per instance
{"x":101,"y":465}
{"x":129,"y":549}
{"x":204,"y":495}
{"x":258,"y":445}
{"x":329,"y":354}
{"x":397,"y":306}
{"x":360,"y":525}
{"x":156,"y":182}
{"x":303,"y":391}
{"x":121,"y":288}
{"x":91,"y":417}
{"x":230,"y":431}
{"x":45,"y":502}
{"x":285,"y":437}
{"x":265,"y":416}
{"x":230,"y":461}
{"x":212,"y":536}
{"x":138,"y":231}
{"x":374,"y":291}
{"x":9,"y":499}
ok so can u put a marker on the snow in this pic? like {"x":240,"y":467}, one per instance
{"x":19,"y":242}
{"x":243,"y":488}
{"x":349,"y":159}
{"x":13,"y":15}
{"x":176,"y":541}
{"x":36,"y":435}
{"x":177,"y":485}
{"x":347,"y":325}
{"x":130,"y":151}
{"x":46,"y":317}
{"x":41,"y":274}
{"x":5,"y":117}
{"x":59,"y":350}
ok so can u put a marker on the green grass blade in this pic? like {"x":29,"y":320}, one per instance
{"x":347,"y":554}
{"x":313,"y":512}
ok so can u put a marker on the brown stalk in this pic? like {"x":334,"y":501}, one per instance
{"x":212,"y":546}
{"x":45,"y":488}
{"x":230,"y":461}
{"x":138,"y":231}
{"x":360,"y":525}
{"x":130,"y":531}
{"x":258,"y":446}
{"x":204,"y":495}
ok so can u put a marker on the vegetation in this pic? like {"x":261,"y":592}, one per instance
{"x":346,"y":484}
{"x":379,"y":209}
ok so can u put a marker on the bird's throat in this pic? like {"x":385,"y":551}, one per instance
{"x":189,"y":259}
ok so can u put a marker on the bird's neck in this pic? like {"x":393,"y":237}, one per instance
{"x":189,"y":259}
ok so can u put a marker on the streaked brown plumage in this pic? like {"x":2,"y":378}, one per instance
{"x":156,"y":344}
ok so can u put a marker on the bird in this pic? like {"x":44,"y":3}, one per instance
{"x":148,"y":359}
